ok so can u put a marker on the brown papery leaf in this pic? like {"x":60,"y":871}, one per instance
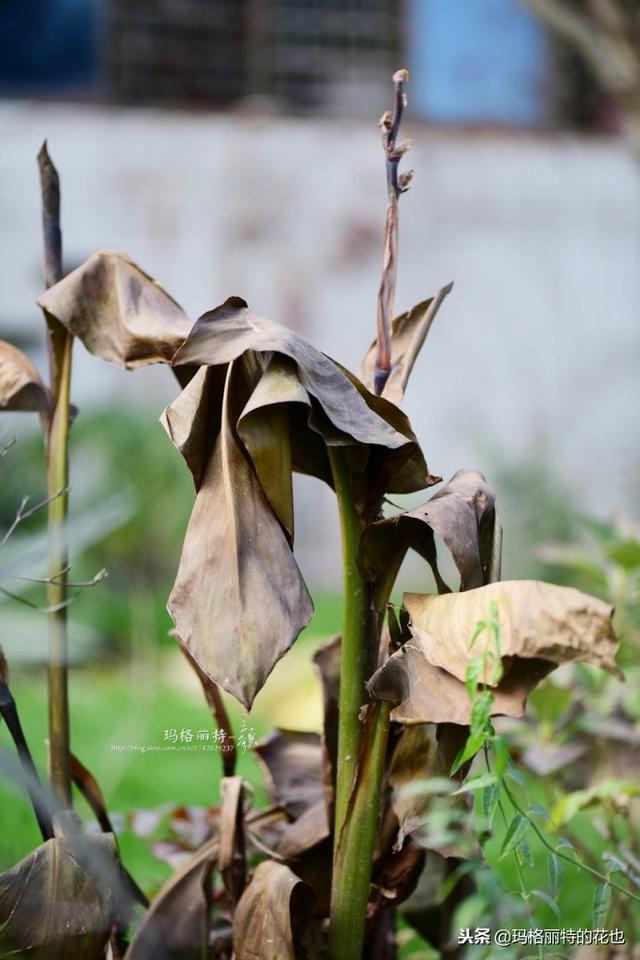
{"x":118,"y":311}
{"x":232,"y":613}
{"x":231,"y":858}
{"x":327,"y":660}
{"x":408,"y":333}
{"x":272,"y":918}
{"x":176,"y":926}
{"x":342,"y":410}
{"x":293,"y":764}
{"x":57,"y":902}
{"x":462,"y":513}
{"x":538,"y":620}
{"x":21,"y":388}
{"x":424,"y":693}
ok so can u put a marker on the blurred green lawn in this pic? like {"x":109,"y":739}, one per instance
{"x":133,"y":701}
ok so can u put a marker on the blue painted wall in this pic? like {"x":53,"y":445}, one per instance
{"x":477,"y":61}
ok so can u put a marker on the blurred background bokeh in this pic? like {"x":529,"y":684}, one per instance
{"x":231,"y":147}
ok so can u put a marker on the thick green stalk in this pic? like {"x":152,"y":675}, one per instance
{"x":354,"y":850}
{"x":57,"y":448}
{"x":357,"y":805}
{"x":356,"y":653}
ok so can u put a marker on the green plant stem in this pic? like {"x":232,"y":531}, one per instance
{"x":355,"y":846}
{"x":57,"y":483}
{"x":356,"y":652}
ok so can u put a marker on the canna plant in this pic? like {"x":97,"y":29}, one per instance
{"x":325,"y":868}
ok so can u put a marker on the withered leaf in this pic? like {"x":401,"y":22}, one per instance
{"x":21,"y":388}
{"x":343,"y":411}
{"x":538,"y":621}
{"x":424,"y":693}
{"x":408,"y":333}
{"x":219,"y":711}
{"x":310,"y":829}
{"x":462,"y":513}
{"x":273,"y":916}
{"x":326,"y":661}
{"x":176,"y":925}
{"x":232,"y":612}
{"x":292,"y":760}
{"x":231,"y":858}
{"x":118,"y":311}
{"x":58,"y":901}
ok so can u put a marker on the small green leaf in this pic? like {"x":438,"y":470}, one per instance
{"x":501,"y":751}
{"x":515,"y":775}
{"x":474,"y":671}
{"x":555,"y":875}
{"x":523,"y":853}
{"x":601,"y":901}
{"x":540,"y":811}
{"x":476,"y":783}
{"x":517,"y":829}
{"x":550,"y":902}
{"x":490,"y":798}
{"x":480,"y":627}
{"x":480,"y":713}
{"x":613,"y":865}
{"x":471,"y":747}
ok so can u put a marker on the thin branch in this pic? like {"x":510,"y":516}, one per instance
{"x":23,"y":514}
{"x":396,"y":184}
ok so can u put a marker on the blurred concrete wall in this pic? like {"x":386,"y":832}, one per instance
{"x":536,"y":349}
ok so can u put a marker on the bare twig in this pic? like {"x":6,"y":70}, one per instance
{"x":396,"y":184}
{"x":23,"y":514}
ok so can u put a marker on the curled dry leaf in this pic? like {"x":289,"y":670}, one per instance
{"x":408,"y":333}
{"x":176,"y":926}
{"x":59,"y":901}
{"x":231,"y":858}
{"x":538,"y":621}
{"x":326,"y":661}
{"x":118,"y":311}
{"x":273,"y":916}
{"x":236,"y":626}
{"x":424,"y":693}
{"x":542,"y":626}
{"x":329,"y":400}
{"x":292,"y":760}
{"x":462,"y":513}
{"x":21,"y":388}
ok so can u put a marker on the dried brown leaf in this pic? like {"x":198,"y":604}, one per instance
{"x":408,"y":333}
{"x":326,"y":661}
{"x":292,"y":760}
{"x":318,"y":392}
{"x":118,"y":312}
{"x":58,"y":901}
{"x":273,"y":916}
{"x":21,"y":388}
{"x":462,"y":513}
{"x":231,"y":858}
{"x":176,"y":926}
{"x":238,"y":623}
{"x":424,"y":693}
{"x":538,"y":620}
